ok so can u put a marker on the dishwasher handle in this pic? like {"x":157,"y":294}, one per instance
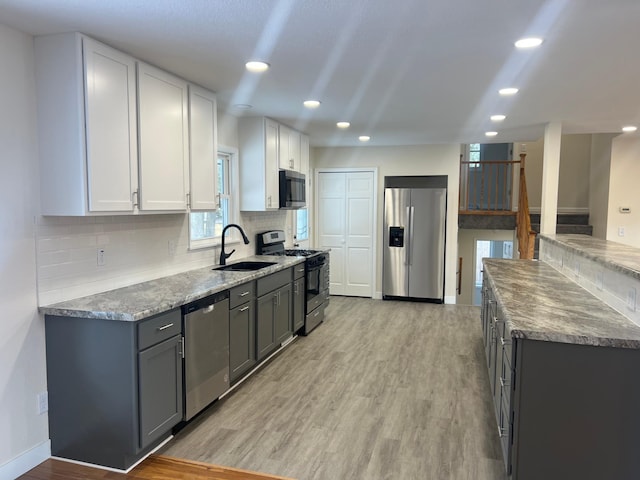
{"x":206,"y":303}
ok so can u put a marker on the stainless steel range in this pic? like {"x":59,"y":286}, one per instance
{"x":316,"y":267}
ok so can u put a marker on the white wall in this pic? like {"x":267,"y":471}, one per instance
{"x":623,"y":190}
{"x":405,"y":160}
{"x":24,"y":433}
{"x":599,"y":182}
{"x":575,"y":162}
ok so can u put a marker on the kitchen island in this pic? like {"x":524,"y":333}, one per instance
{"x":124,"y":367}
{"x":562,"y":366}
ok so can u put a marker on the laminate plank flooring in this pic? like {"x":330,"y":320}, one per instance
{"x":381,"y":390}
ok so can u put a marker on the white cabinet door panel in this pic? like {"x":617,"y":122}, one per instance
{"x":203,"y":149}
{"x":163,"y":139}
{"x":111,"y":131}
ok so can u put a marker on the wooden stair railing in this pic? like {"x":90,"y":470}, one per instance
{"x":526,"y":236}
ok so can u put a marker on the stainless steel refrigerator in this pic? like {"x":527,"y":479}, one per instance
{"x":414,"y":243}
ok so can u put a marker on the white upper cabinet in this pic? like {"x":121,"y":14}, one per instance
{"x":87,"y":126}
{"x":289,"y":154}
{"x":304,"y":156}
{"x":203,"y":149}
{"x":163,"y":140}
{"x":258,"y":164}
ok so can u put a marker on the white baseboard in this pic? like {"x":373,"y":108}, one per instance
{"x":450,"y":300}
{"x":25,"y":461}
{"x":377,"y":296}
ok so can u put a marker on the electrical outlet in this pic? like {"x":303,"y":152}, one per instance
{"x":102,"y":261}
{"x":42,"y":404}
{"x":621,"y":231}
{"x":631,"y":299}
{"x":172,"y":247}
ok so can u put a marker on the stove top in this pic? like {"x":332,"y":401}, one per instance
{"x":298,"y":252}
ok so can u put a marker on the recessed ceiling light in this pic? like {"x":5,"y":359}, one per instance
{"x":343,"y":124}
{"x":311,"y":103}
{"x":491,"y":134}
{"x":255,"y":66}
{"x":243,"y":106}
{"x":528,"y":42}
{"x":629,"y":128}
{"x":498,"y":118}
{"x":364,"y":138}
{"x":508,"y":91}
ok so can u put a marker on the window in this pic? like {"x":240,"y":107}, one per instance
{"x":205,"y":228}
{"x":302,"y":229}
{"x":474,"y":154}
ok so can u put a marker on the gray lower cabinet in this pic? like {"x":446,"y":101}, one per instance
{"x":115,"y":387}
{"x":274,"y":308}
{"x":242,"y":330}
{"x":563,"y":411}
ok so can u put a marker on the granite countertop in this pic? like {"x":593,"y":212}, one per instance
{"x":620,"y":257}
{"x":142,"y":300}
{"x":539,"y":303}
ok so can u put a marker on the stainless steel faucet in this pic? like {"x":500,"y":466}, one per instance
{"x":223,"y":255}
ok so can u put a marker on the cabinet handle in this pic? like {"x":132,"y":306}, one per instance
{"x":243,"y":294}
{"x":168,"y":325}
{"x":296,"y":289}
{"x":317,"y":313}
{"x":503,"y":343}
{"x":134,"y":198}
{"x":503,"y":382}
{"x":269,"y":201}
{"x":300,"y":270}
{"x":502,"y":431}
{"x":244,"y":309}
{"x":188,"y":200}
{"x":181,"y":352}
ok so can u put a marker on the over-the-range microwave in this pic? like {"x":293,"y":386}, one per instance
{"x":292,"y":189}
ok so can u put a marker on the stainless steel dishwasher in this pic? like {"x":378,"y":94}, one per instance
{"x":206,"y":351}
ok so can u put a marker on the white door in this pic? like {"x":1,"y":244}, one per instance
{"x":346,"y":226}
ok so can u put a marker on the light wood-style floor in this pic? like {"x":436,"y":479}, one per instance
{"x":381,"y":390}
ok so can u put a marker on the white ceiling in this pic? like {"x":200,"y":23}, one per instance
{"x":404,"y":72}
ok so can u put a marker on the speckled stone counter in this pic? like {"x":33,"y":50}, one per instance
{"x":613,"y":255}
{"x":609,"y":270}
{"x":142,"y":300}
{"x":540,"y":303}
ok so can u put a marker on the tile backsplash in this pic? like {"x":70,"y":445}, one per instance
{"x":136,"y":248}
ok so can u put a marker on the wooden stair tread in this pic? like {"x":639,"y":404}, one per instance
{"x":155,"y":467}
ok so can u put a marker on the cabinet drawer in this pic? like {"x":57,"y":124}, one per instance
{"x":241,"y":294}
{"x":298,"y":271}
{"x":159,"y":328}
{"x":273,"y":281}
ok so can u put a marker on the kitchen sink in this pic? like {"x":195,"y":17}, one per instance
{"x":245,"y":266}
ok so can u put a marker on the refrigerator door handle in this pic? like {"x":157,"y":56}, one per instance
{"x":411,"y":215}
{"x":407,"y":241}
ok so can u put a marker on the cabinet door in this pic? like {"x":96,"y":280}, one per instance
{"x":289,"y":152}
{"x":203,"y":149}
{"x":164,"y":150}
{"x":282,"y":314}
{"x":304,"y":158}
{"x":160,"y":389}
{"x":242,"y":341}
{"x":298,"y":304}
{"x":271,"y":165}
{"x":265,"y":332}
{"x":110,"y":127}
